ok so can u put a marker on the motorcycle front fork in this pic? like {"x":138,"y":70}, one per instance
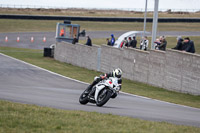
{"x":92,"y":92}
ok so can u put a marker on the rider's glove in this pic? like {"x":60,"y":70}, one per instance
{"x":103,"y":77}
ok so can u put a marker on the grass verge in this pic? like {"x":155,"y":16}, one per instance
{"x":22,"y":118}
{"x":82,"y":74}
{"x":19,"y":25}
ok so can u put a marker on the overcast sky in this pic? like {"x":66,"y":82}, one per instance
{"x":123,"y":4}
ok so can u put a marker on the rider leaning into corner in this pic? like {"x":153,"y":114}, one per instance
{"x":115,"y":73}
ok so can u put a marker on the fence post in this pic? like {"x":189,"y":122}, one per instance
{"x":99,"y":59}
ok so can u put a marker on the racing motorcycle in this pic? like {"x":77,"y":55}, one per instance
{"x":101,"y":92}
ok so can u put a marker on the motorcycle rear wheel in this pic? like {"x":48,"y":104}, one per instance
{"x":103,"y":97}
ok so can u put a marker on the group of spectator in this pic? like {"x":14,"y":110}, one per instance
{"x":185,"y":44}
{"x":132,"y":42}
{"x":129,"y":43}
{"x":88,"y":42}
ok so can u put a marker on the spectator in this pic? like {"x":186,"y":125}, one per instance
{"x":124,"y":42}
{"x":89,"y":41}
{"x":129,"y":41}
{"x":112,"y":41}
{"x":62,"y":32}
{"x":133,"y":43}
{"x":108,"y":42}
{"x":75,"y":40}
{"x":157,"y":42}
{"x":163,"y":43}
{"x":179,"y":44}
{"x":188,"y":45}
{"x":144,"y":43}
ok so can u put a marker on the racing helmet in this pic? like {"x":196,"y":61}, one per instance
{"x":117,"y":73}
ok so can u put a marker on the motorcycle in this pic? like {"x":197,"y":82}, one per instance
{"x":101,"y":92}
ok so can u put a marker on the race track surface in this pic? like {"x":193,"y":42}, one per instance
{"x":24,"y":83}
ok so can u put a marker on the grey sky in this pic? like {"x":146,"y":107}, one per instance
{"x":163,"y":4}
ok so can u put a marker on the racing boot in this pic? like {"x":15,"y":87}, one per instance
{"x":89,"y":88}
{"x":91,"y":95}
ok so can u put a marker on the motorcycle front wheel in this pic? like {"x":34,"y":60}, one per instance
{"x":103,"y":97}
{"x":84,"y":97}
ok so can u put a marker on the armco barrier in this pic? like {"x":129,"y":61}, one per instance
{"x":102,"y":19}
{"x":172,"y":70}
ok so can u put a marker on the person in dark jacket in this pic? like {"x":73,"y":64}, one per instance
{"x":89,"y":41}
{"x":75,"y":40}
{"x":133,"y":43}
{"x":179,"y":44}
{"x":188,"y":45}
{"x":108,"y":42}
{"x":163,"y":43}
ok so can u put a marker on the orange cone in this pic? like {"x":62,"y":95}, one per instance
{"x":18,"y":39}
{"x":44,"y":39}
{"x":6,"y":39}
{"x":32,"y":39}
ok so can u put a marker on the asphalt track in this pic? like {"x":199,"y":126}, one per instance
{"x":25,"y":83}
{"x":38,"y":43}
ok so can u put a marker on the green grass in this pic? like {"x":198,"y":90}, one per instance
{"x":15,"y":25}
{"x":23,"y":118}
{"x":82,"y":74}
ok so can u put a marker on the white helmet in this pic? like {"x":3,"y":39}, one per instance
{"x":117,"y":73}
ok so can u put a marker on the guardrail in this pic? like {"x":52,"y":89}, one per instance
{"x":103,"y":19}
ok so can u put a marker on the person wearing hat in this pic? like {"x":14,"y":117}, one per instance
{"x":188,"y":45}
{"x":179,"y":44}
{"x":112,"y":41}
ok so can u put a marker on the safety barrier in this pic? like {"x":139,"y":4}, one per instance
{"x":172,"y":70}
{"x":103,"y":19}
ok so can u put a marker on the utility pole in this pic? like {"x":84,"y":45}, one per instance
{"x":155,"y":23}
{"x":145,"y":18}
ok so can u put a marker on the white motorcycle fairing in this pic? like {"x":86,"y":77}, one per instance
{"x":102,"y":85}
{"x":98,"y":89}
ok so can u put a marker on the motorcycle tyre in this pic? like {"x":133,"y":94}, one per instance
{"x":114,"y":95}
{"x":83,"y":100}
{"x":104,"y":101}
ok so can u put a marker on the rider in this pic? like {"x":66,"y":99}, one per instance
{"x":115,"y":73}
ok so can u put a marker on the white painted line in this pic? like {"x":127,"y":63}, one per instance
{"x":43,"y":69}
{"x":88,"y":83}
